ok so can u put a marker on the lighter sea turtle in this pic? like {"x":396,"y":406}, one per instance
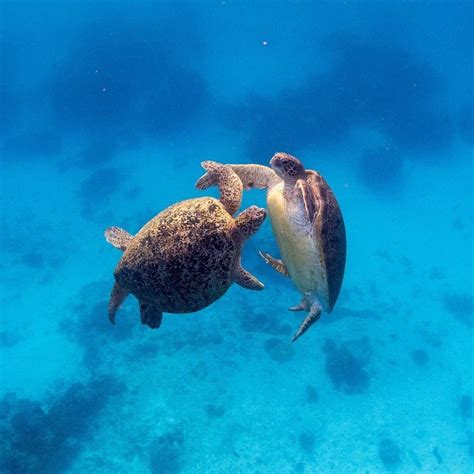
{"x":187,"y":256}
{"x":309,"y":230}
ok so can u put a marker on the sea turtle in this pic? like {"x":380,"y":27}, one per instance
{"x":187,"y":256}
{"x":309,"y":230}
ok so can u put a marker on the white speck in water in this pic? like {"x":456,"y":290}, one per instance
{"x":264,"y":43}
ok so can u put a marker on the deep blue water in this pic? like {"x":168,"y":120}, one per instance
{"x":106,"y":113}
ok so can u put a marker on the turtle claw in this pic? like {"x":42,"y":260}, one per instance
{"x":204,"y":182}
{"x":201,"y":183}
{"x":209,"y":178}
{"x":299,"y":307}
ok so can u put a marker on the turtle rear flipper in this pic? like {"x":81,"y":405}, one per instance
{"x":275,"y":263}
{"x":313,"y":315}
{"x":150,"y":315}
{"x":229,"y":184}
{"x":117,"y":237}
{"x":117,"y":297}
{"x":246,"y":280}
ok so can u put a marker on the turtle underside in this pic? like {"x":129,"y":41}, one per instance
{"x":311,"y":237}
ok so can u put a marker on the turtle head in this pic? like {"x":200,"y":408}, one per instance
{"x":248,"y":222}
{"x":287,"y":167}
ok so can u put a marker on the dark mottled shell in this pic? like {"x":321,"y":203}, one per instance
{"x":330,"y":230}
{"x":183,"y":259}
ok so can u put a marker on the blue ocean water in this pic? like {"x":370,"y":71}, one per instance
{"x":107,"y":110}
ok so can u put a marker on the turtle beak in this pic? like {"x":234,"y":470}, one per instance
{"x":260,"y":213}
{"x":275,"y":164}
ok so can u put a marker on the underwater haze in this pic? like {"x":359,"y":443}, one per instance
{"x":107,"y":110}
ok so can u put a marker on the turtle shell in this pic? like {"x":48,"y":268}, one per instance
{"x":329,"y":231}
{"x":183,"y":259}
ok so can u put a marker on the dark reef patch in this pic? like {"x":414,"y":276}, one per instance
{"x":299,"y":467}
{"x":389,"y":453}
{"x":381,"y":170}
{"x":166,"y":453}
{"x":37,"y":441}
{"x":127,"y":79}
{"x":45,"y":253}
{"x":371,"y":82}
{"x":143,"y":351}
{"x":9,"y":98}
{"x":263,"y":323}
{"x":312,"y":395}
{"x":100,"y":184}
{"x":8,"y":339}
{"x":89,"y":327}
{"x":86,"y":400}
{"x":460,"y":306}
{"x":436,"y":274}
{"x":465,"y":122}
{"x":470,"y":444}
{"x":33,"y":143}
{"x":307,"y":442}
{"x":98,"y":188}
{"x":214,"y":411}
{"x":346,"y":365}
{"x":34,"y":260}
{"x":465,"y":406}
{"x":420,"y":357}
{"x":341,"y":312}
{"x":437,"y":456}
{"x":279,"y":350}
{"x":97,"y":151}
{"x":197,"y":338}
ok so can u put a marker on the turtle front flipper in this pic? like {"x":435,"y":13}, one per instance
{"x":311,"y":205}
{"x":313,"y":315}
{"x":255,"y":176}
{"x":117,"y":237}
{"x":226,"y":180}
{"x":246,"y":280}
{"x":117,"y":297}
{"x":150,"y":315}
{"x":278,"y":265}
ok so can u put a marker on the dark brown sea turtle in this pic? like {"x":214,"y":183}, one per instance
{"x":187,"y":256}
{"x":309,"y":230}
